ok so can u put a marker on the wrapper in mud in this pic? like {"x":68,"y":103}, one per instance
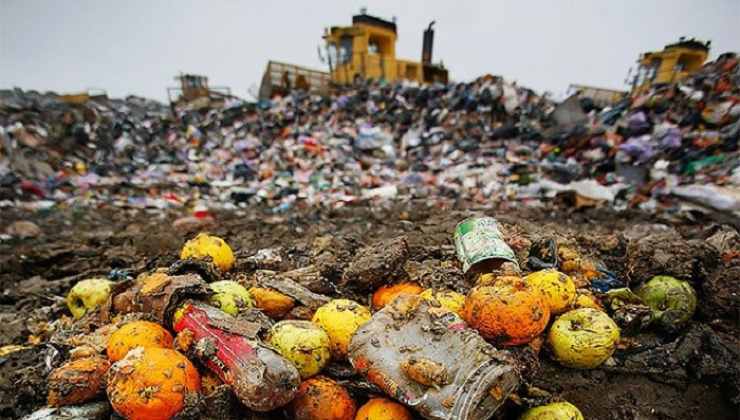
{"x":479,"y":239}
{"x":158,"y":295}
{"x":99,"y":410}
{"x":261,"y":379}
{"x":428,"y":359}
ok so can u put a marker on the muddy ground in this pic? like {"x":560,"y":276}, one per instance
{"x":691,"y":374}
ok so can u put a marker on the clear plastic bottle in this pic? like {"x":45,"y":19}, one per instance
{"x":427,"y":358}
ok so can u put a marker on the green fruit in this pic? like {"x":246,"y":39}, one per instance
{"x":87,"y":295}
{"x":583,"y":338}
{"x":303,"y":343}
{"x":230,"y":296}
{"x":673,"y":301}
{"x":553,"y":411}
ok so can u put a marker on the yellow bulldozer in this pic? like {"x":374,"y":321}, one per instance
{"x":364,"y":50}
{"x":367,"y":50}
{"x":674,"y":63}
{"x":195,"y":92}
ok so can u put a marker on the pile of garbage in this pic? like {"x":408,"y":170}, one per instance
{"x":484,"y":141}
{"x":219,"y":336}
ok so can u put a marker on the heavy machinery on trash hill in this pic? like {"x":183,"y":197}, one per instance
{"x":675,"y":62}
{"x":364,"y":50}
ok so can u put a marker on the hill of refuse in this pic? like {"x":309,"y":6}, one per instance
{"x":673,"y":148}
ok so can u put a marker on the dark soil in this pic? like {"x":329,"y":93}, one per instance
{"x":692,"y":374}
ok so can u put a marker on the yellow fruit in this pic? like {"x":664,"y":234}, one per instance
{"x":340,"y":318}
{"x":558,"y":289}
{"x":204,"y":246}
{"x":583,"y":338}
{"x":88,"y":295}
{"x":273,"y":303}
{"x":303,"y":343}
{"x":383,"y":409}
{"x":553,"y":411}
{"x":489,"y":279}
{"x":230,"y":296}
{"x":447,"y":299}
{"x":586,"y":300}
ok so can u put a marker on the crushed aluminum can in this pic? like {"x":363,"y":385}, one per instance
{"x":478,"y":239}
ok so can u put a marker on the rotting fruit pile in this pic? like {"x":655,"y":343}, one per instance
{"x":439,"y":316}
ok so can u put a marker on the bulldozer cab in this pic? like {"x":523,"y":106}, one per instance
{"x":674,"y":63}
{"x":367,"y":50}
{"x":194,"y":89}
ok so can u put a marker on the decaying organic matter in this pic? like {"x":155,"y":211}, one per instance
{"x":651,"y":371}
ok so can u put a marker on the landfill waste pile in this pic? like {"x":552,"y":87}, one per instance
{"x":673,"y":149}
{"x":468,"y":251}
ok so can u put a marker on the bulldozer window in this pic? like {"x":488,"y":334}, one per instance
{"x":379,"y":45}
{"x":653,"y":69}
{"x":689,"y":62}
{"x":345,"y":50}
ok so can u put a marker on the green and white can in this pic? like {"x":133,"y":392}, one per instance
{"x":479,"y":239}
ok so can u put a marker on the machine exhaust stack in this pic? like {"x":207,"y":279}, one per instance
{"x":426,"y":49}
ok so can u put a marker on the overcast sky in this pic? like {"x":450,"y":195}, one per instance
{"x":137,"y":46}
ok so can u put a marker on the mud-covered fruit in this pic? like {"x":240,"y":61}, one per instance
{"x":230,"y":296}
{"x":273,"y":303}
{"x":385,"y":294}
{"x":447,"y":299}
{"x":583,"y":338}
{"x":321,"y":398}
{"x":672,"y":301}
{"x":383,"y":409}
{"x":77,"y":381}
{"x":341,"y":318}
{"x":152,"y":384}
{"x":137,"y":334}
{"x":509,"y":312}
{"x":208,"y":246}
{"x":303,"y":343}
{"x":554,"y":411}
{"x":585,"y":299}
{"x":558,"y":289}
{"x":87,"y":295}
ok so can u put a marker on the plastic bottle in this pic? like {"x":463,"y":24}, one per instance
{"x":427,"y":358}
{"x":261,"y":379}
